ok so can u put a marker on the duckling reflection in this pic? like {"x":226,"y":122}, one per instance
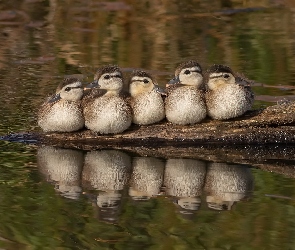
{"x":184,"y":179}
{"x":226,"y":184}
{"x":107,"y":171}
{"x":63,"y":167}
{"x":146,"y":178}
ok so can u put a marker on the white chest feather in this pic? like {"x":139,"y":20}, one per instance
{"x":63,"y":116}
{"x":108,"y":115}
{"x":148,"y":108}
{"x":228,"y":102}
{"x":185,"y":105}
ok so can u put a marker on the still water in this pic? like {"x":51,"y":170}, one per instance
{"x":53,"y":198}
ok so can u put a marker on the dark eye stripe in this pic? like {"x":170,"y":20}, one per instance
{"x":225,"y":75}
{"x":186,"y":72}
{"x":67,"y":89}
{"x":112,"y":76}
{"x":137,"y":80}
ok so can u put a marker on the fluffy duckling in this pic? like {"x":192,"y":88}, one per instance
{"x":106,"y":111}
{"x":146,"y":100}
{"x":227,"y":95}
{"x":185,"y":102}
{"x":63,"y":112}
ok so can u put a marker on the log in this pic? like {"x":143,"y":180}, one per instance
{"x":262,"y":138}
{"x":272,"y":125}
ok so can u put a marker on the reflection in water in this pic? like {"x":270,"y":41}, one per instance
{"x":184,"y":179}
{"x":63,"y":167}
{"x":110,"y":171}
{"x":107,"y":171}
{"x":225,"y":184}
{"x":147,"y":177}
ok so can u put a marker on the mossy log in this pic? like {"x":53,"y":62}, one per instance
{"x":272,"y":125}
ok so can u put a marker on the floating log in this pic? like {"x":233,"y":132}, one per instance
{"x":272,"y":125}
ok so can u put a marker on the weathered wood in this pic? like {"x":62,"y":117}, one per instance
{"x":272,"y":125}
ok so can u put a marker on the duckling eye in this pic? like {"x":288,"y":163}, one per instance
{"x":187,"y":72}
{"x":226,"y":76}
{"x":145,"y":80}
{"x":107,"y":77}
{"x":67,"y":89}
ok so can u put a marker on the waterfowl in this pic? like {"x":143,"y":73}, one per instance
{"x":227,"y":95}
{"x":105,"y":109}
{"x":185,"y":102}
{"x":62,"y":112}
{"x":146,"y":100}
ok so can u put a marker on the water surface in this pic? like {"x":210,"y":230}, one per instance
{"x":68,"y":199}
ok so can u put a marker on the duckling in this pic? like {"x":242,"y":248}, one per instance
{"x":227,"y":94}
{"x":185,"y":103}
{"x":105,"y":109}
{"x":62,"y":112}
{"x":146,"y":100}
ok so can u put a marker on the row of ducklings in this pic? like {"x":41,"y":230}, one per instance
{"x":103,"y":107}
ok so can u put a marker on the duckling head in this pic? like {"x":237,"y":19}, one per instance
{"x":141,"y":82}
{"x":70,"y":89}
{"x":109,"y":78}
{"x":218,"y":75}
{"x":188,"y":73}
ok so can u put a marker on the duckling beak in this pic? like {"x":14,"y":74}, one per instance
{"x":174,"y":80}
{"x":160,"y":90}
{"x":91,"y":85}
{"x":54,"y":98}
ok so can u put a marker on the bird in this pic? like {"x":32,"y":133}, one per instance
{"x":62,"y":112}
{"x":106,"y":109}
{"x":185,"y":103}
{"x":146,"y":99}
{"x":227,"y":94}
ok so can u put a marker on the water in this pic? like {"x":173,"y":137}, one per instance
{"x":47,"y":203}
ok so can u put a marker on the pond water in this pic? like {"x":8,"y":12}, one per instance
{"x":52,"y":198}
